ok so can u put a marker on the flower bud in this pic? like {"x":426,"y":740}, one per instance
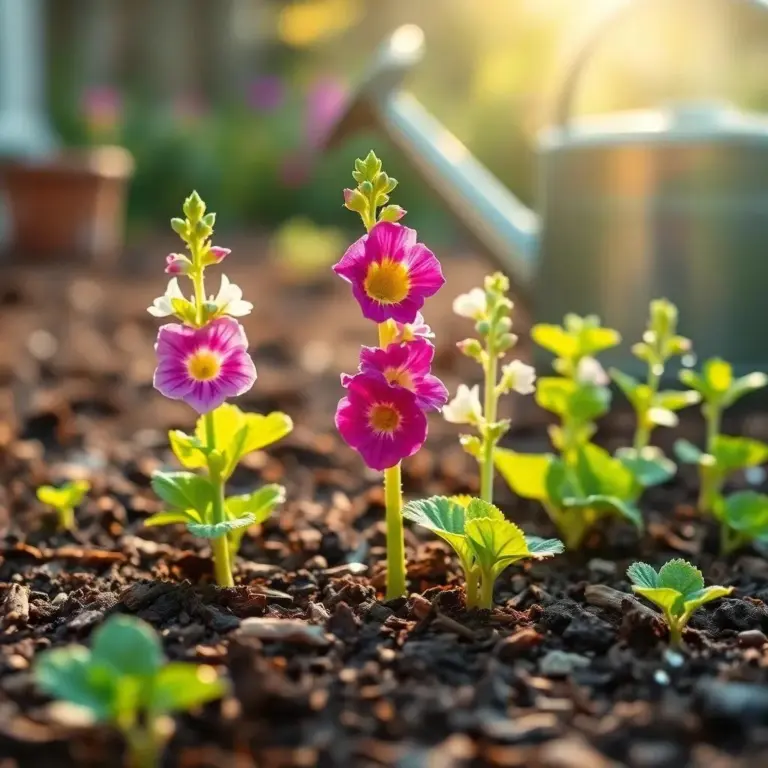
{"x":194,"y":207}
{"x":177,"y":264}
{"x":215,"y":255}
{"x":471,"y":348}
{"x":392,"y":213}
{"x":519,"y":377}
{"x":354,"y":200}
{"x":366,"y":188}
{"x":179,"y":226}
{"x":465,"y":408}
{"x":473,"y":305}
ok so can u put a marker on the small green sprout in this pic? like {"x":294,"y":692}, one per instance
{"x":723,"y":455}
{"x":584,"y":484}
{"x":125,"y":680}
{"x":64,"y":500}
{"x":743,"y":519}
{"x":490,"y":308}
{"x":678,"y":589}
{"x":485,"y":542}
{"x":189,"y":496}
{"x":655,"y":408}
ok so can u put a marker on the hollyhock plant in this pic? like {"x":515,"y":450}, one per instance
{"x":383,"y":415}
{"x":490,"y":308}
{"x":203,"y":360}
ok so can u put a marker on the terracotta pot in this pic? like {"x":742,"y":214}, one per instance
{"x":71,"y":206}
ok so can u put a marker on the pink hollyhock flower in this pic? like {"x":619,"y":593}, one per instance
{"x":391,"y":273}
{"x":203,"y":366}
{"x":405,"y":365}
{"x":384,"y":424}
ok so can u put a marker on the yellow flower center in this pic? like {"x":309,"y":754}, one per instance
{"x":384,"y":418}
{"x":203,"y":365}
{"x":399,"y":376}
{"x":387,"y":282}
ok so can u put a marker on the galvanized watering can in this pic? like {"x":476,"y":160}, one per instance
{"x":633,"y":206}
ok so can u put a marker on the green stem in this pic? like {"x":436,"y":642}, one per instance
{"x":675,"y":634}
{"x":486,"y":591}
{"x":220,"y":545}
{"x":470,"y":576}
{"x":713,"y":416}
{"x":489,"y":414}
{"x":393,"y":496}
{"x":144,"y":747}
{"x":67,"y":518}
{"x":644,"y":427}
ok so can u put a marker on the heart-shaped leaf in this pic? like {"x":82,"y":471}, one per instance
{"x":706,"y":595}
{"x":129,"y":646}
{"x":259,"y":504}
{"x":495,"y":544}
{"x":643,"y":575}
{"x":679,"y":574}
{"x":190,"y":451}
{"x":180,"y":686}
{"x":736,"y":453}
{"x":446,"y":518}
{"x":183,"y":490}
{"x":525,"y":473}
{"x":669,"y":600}
{"x":649,"y":466}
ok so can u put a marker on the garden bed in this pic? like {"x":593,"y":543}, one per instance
{"x":568,"y":670}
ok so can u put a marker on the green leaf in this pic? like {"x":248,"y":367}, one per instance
{"x":183,"y":490}
{"x":747,"y":512}
{"x":259,"y":504}
{"x":68,"y":496}
{"x":555,"y":339}
{"x":735,"y":453}
{"x":593,"y":340}
{"x":553,"y":393}
{"x":679,"y":574}
{"x":179,"y":687}
{"x":600,"y":474}
{"x":188,"y":449}
{"x":238,"y":433}
{"x":718,"y":375}
{"x":607,"y":505}
{"x":540,"y":548}
{"x":495,"y":544}
{"x":687,"y":452}
{"x":479,"y":508}
{"x":170,"y":518}
{"x":217,"y":530}
{"x":643,"y":575}
{"x":525,"y":473}
{"x":706,"y":595}
{"x":442,"y":516}
{"x":673,"y":400}
{"x":693,"y":380}
{"x":743,"y":386}
{"x":650,"y":467}
{"x":66,"y":674}
{"x":589,"y":401}
{"x":129,"y":646}
{"x":185,"y":311}
{"x":558,"y":482}
{"x":628,"y":385}
{"x":668,"y":599}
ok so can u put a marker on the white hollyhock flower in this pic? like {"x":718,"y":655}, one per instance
{"x":229,"y":300}
{"x":589,"y":371}
{"x":472,"y":305}
{"x":162,"y":306}
{"x":519,"y":377}
{"x":465,"y":408}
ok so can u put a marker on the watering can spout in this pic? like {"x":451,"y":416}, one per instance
{"x":502,"y":225}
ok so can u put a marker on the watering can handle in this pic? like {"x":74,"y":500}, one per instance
{"x":564,"y":103}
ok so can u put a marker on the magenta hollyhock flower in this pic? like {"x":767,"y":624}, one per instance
{"x":391,"y":273}
{"x":405,"y":365}
{"x":203,"y":366}
{"x":384,"y":424}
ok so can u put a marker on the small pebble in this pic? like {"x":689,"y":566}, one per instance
{"x":752,"y":638}
{"x":562,"y":664}
{"x":601,"y":567}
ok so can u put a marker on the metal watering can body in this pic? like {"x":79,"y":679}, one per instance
{"x":640,"y":205}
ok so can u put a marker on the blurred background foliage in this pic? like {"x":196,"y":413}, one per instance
{"x":233,"y":97}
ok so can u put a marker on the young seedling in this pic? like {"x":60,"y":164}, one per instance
{"x":490,"y":308}
{"x":203,"y":360}
{"x":677,"y":589}
{"x":743,"y":519}
{"x":655,"y":408}
{"x":723,"y":455}
{"x":64,"y":500}
{"x":583,"y":484}
{"x":237,"y":434}
{"x":124,"y":680}
{"x":485,"y":542}
{"x":383,"y":415}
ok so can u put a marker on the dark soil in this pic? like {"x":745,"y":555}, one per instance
{"x":566,"y":672}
